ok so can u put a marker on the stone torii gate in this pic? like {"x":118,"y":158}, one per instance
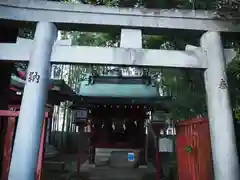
{"x":211,"y":57}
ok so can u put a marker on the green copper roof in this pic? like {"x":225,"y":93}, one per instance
{"x":117,"y":90}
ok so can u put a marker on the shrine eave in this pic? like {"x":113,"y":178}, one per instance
{"x":58,"y":89}
{"x":93,"y":102}
{"x":92,"y":18}
{"x":106,"y":90}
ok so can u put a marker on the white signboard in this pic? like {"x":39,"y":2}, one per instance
{"x":159,"y":116}
{"x":81,"y":115}
{"x":165,"y":145}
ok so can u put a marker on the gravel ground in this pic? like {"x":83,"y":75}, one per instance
{"x":70,"y":169}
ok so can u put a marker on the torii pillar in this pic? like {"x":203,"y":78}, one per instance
{"x":30,"y":122}
{"x":223,"y":142}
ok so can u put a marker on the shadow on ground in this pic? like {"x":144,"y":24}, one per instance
{"x":63,"y":167}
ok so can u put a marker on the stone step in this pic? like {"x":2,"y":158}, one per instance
{"x":103,"y":178}
{"x":109,"y":173}
{"x":54,"y":166}
{"x":116,"y":174}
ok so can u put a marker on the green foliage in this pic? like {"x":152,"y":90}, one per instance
{"x":228,"y":9}
{"x":26,"y":33}
{"x":234,"y":85}
{"x":93,"y":39}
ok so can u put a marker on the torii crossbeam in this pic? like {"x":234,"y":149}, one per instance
{"x":112,"y":56}
{"x":97,"y":18}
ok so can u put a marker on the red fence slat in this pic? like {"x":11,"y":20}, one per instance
{"x":195,"y":164}
{"x":11,"y":117}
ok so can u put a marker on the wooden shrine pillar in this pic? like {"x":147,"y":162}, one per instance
{"x":8,"y":143}
{"x":158,"y":160}
{"x":92,"y":147}
{"x":49,"y":124}
{"x":42,"y":147}
{"x":92,"y":142}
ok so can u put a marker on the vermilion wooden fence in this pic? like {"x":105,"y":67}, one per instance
{"x":9,"y":138}
{"x":194,"y":153}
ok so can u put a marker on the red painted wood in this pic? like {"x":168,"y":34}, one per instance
{"x":8,"y":145}
{"x":22,"y":74}
{"x":195,"y":165}
{"x":9,"y":139}
{"x":7,"y":113}
{"x":14,"y":89}
{"x":42,"y":150}
{"x":13,"y":106}
{"x":91,"y":155}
